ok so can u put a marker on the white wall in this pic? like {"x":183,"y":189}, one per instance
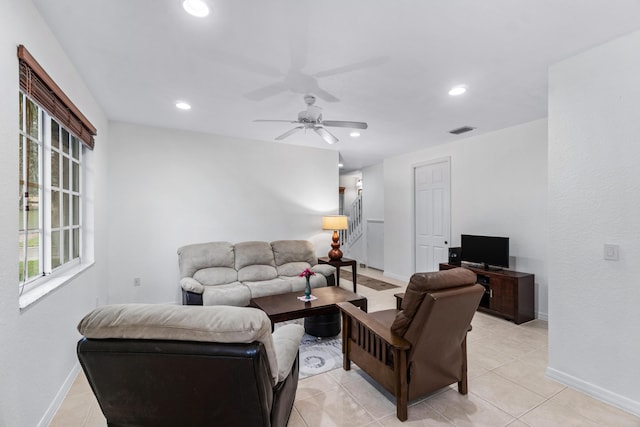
{"x":594,"y":187}
{"x":373,"y":192}
{"x":172,"y":188}
{"x":373,"y":213}
{"x":38,"y":344}
{"x":498,"y":187}
{"x":348,"y":181}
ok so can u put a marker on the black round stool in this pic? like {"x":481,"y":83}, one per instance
{"x":323,"y":325}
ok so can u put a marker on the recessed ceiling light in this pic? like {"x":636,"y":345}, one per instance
{"x":196,"y":8}
{"x":340,"y":165}
{"x":183,"y":105}
{"x":457,"y":90}
{"x":354,"y":134}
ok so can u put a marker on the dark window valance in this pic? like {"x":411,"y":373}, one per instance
{"x":37,"y":84}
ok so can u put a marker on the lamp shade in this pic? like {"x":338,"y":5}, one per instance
{"x":334,"y":222}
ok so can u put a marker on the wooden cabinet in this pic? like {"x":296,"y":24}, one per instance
{"x":509,"y":294}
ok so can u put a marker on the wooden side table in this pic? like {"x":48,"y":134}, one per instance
{"x":343,"y":262}
{"x":399,"y":298}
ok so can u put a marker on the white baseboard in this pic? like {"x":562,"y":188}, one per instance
{"x":60,"y":395}
{"x":542,"y":316}
{"x":595,"y":391}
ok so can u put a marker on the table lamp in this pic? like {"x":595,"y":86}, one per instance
{"x":335,"y":223}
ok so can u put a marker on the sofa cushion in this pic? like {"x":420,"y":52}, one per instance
{"x":291,"y":251}
{"x":286,"y":342}
{"x":223,"y":324}
{"x":216,"y":275}
{"x":229,"y":294}
{"x":299,"y":283}
{"x":254,"y":261}
{"x":192,"y":258}
{"x":256,"y":273}
{"x":268,"y":287}
{"x":292,"y":269}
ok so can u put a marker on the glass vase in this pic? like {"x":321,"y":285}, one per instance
{"x":307,"y":289}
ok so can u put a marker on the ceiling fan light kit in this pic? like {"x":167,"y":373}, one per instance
{"x":458,"y":90}
{"x":196,"y":8}
{"x":311,"y":118}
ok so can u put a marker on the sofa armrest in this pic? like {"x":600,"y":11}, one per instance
{"x":286,"y":341}
{"x":325,"y":269}
{"x":192,"y":285}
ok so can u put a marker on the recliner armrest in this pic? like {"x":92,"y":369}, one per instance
{"x":192,"y":285}
{"x":384,"y":332}
{"x":286,"y":342}
{"x":324,"y":269}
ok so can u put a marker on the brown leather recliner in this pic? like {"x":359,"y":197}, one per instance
{"x":420,"y":348}
{"x":164,"y":365}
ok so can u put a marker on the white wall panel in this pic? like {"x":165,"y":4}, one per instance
{"x":594,"y":182}
{"x":38,"y":360}
{"x":173,"y":188}
{"x":498,"y":187}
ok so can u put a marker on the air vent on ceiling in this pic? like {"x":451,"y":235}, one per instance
{"x":463,"y":129}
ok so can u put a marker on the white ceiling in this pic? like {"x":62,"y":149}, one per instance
{"x":388,"y":62}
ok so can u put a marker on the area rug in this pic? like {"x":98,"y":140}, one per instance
{"x":367,"y":281}
{"x":318,"y":355}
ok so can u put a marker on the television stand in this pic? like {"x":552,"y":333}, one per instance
{"x":508,"y":294}
{"x":485,"y":267}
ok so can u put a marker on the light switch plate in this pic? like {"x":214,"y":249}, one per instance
{"x":611,"y":252}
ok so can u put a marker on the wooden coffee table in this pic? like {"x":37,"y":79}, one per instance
{"x":285,"y":307}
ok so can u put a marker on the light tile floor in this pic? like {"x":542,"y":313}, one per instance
{"x":507,"y":386}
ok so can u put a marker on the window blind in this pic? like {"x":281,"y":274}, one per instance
{"x":37,"y":84}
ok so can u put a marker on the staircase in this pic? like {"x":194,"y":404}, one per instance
{"x":354,"y":232}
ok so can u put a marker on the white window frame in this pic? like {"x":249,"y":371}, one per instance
{"x":52,"y":277}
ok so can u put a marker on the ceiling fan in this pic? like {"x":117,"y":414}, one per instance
{"x":311,"y":118}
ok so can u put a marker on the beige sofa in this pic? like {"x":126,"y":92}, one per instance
{"x":221,"y":273}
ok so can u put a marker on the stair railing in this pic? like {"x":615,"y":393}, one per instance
{"x":355,"y":223}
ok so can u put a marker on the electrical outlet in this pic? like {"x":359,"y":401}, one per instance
{"x":611,"y":252}
{"x":136,"y":281}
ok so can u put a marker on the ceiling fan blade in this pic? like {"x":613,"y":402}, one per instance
{"x":298,"y":33}
{"x":343,"y":124}
{"x":326,"y":135}
{"x":266,"y":91}
{"x":289,"y":133}
{"x":278,"y":121}
{"x":325,"y":95}
{"x":353,"y":67}
{"x":243,"y":62}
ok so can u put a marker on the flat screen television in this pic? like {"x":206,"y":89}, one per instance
{"x":489,"y":251}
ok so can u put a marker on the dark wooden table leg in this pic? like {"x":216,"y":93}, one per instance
{"x":337,"y":275}
{"x":354,"y":274}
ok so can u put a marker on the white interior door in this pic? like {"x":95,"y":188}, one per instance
{"x":432,"y":215}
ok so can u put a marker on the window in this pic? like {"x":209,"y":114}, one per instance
{"x":50,"y":193}
{"x":53,"y":139}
